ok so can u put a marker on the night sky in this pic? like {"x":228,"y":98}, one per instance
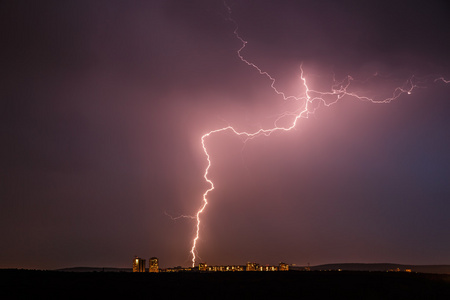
{"x":103,"y":105}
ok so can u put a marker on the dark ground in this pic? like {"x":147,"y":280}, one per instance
{"x":25,"y":284}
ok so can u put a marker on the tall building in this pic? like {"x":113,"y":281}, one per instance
{"x":138,"y":264}
{"x":153,"y":265}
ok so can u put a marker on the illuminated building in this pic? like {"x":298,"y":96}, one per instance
{"x":202,"y":266}
{"x":225,"y":268}
{"x":252,"y":266}
{"x":138,"y":264}
{"x":153,"y":265}
{"x":283,"y":267}
{"x":268,"y":268}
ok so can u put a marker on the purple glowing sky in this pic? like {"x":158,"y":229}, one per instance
{"x":104,"y":104}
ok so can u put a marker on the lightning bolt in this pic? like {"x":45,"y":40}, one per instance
{"x":179,"y":217}
{"x":311,"y":100}
{"x":442,"y":79}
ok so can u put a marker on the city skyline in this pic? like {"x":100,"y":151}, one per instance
{"x":139,"y":266}
{"x":105,"y":105}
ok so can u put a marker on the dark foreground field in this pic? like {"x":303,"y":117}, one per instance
{"x":27,"y":284}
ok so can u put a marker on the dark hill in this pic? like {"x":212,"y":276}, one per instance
{"x":435,"y":269}
{"x":93,"y":269}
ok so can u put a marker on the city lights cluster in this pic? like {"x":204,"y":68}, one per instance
{"x":139,"y":267}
